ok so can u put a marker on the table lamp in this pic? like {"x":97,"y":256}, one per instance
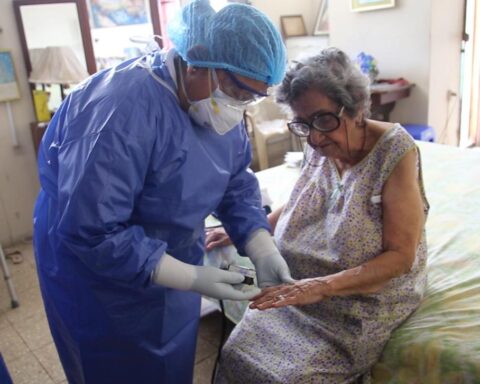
{"x":56,"y":65}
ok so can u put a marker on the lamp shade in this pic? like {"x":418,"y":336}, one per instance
{"x":56,"y":65}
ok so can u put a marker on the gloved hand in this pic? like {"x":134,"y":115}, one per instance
{"x":270,"y":266}
{"x":208,"y":281}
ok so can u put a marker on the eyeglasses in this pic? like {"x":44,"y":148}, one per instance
{"x":323,"y":122}
{"x":219,"y":94}
{"x":249,"y":96}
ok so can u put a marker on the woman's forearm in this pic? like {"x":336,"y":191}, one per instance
{"x":364,"y":279}
{"x":369,"y":277}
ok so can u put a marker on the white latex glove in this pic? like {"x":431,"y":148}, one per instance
{"x":208,"y":281}
{"x":270,"y":266}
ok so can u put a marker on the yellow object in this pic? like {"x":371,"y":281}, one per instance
{"x":40,"y":101}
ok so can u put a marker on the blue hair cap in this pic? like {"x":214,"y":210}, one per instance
{"x":238,"y":38}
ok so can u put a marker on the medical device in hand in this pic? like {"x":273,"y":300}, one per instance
{"x":248,"y":273}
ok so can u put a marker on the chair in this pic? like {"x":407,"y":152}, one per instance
{"x":271,"y":137}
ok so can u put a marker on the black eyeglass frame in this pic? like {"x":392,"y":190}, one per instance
{"x":309,"y":126}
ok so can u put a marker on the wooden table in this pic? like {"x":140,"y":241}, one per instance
{"x":38,"y":129}
{"x":384,"y":96}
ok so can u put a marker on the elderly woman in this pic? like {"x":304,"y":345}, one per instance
{"x":352,"y":234}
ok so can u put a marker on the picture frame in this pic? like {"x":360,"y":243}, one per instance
{"x":292,"y":26}
{"x":9,"y":89}
{"x":322,"y":22}
{"x":370,"y":5}
{"x":114,"y":13}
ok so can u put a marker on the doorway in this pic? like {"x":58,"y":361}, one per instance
{"x":470,"y":77}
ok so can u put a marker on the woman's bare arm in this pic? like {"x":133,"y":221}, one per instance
{"x":403,"y":222}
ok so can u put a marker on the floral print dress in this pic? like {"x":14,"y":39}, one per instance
{"x":330,"y":224}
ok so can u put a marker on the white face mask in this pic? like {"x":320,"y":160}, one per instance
{"x":217,"y":112}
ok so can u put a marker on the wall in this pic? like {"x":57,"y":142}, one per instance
{"x":416,"y":40}
{"x":18,"y":179}
{"x":38,"y":18}
{"x":444,"y":89}
{"x":276,"y":8}
{"x":399,"y":39}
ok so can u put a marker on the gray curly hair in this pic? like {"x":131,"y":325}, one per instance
{"x":333,"y":74}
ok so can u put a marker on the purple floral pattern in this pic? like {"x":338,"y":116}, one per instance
{"x":330,"y":224}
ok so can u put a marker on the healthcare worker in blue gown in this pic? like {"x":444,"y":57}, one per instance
{"x":131,"y":164}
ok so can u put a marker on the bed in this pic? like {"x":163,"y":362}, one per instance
{"x":440,"y":342}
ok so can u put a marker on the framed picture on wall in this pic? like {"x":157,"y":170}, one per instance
{"x":8,"y":79}
{"x":321,"y":24}
{"x":114,"y":13}
{"x":293,"y":26}
{"x":370,"y":5}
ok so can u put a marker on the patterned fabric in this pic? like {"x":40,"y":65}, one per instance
{"x":440,"y":343}
{"x":330,"y":224}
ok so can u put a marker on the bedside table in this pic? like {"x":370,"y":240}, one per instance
{"x":384,"y":97}
{"x":38,"y":129}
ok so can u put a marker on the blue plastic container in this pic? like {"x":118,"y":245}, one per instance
{"x":420,"y":132}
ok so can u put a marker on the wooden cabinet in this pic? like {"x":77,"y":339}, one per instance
{"x":37,"y":129}
{"x":384,"y":96}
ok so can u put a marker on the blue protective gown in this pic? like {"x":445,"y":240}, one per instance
{"x":126,"y":176}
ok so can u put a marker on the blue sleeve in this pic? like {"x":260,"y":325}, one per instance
{"x":100,"y":176}
{"x":241,"y":210}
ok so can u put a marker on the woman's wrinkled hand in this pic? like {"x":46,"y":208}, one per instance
{"x":216,"y":238}
{"x":301,"y":292}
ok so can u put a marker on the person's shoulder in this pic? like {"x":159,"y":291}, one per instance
{"x":124,"y":99}
{"x":390,"y":135}
{"x":392,"y":144}
{"x":377,"y":130}
{"x":381,"y":126}
{"x":401,"y":139}
{"x":129,"y":80}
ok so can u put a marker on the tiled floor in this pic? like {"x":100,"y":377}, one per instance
{"x":26,"y":343}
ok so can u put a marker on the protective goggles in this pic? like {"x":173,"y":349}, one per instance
{"x":243,"y":92}
{"x":323,"y":122}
